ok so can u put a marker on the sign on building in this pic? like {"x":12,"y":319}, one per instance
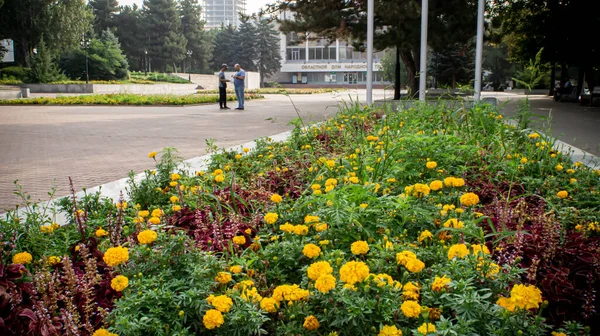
{"x":8,"y":47}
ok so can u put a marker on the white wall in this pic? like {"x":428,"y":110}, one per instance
{"x":252,"y":79}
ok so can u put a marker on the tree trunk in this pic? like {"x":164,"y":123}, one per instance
{"x":454,"y":80}
{"x":552,"y":79}
{"x":411,"y":69}
{"x":397,"y":81}
{"x":25,"y":49}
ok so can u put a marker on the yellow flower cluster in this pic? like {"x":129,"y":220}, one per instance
{"x":359,"y":247}
{"x":239,"y":240}
{"x":49,"y":228}
{"x":147,"y":237}
{"x":152,"y":155}
{"x":383,"y":279}
{"x":276,"y":198}
{"x":102,"y":331}
{"x":320,"y":227}
{"x":409,"y":260}
{"x":469,"y":199}
{"x":521,"y":297}
{"x":53,"y":260}
{"x":115,"y":256}
{"x":222,"y":303}
{"x":389,"y":331}
{"x":562,"y":194}
{"x":436,"y":185}
{"x":289,"y":293}
{"x":431,"y":164}
{"x":236,"y":269}
{"x":411,"y":309}
{"x":311,"y":323}
{"x":22,"y":258}
{"x":319,"y":268}
{"x":311,"y":251}
{"x":458,"y":250}
{"x":101,"y":233}
{"x":119,"y":283}
{"x":417,"y":190}
{"x":454,"y":182}
{"x":440,"y":284}
{"x":426,"y":328}
{"x":454,"y":223}
{"x":213,"y":319}
{"x":271,"y":218}
{"x":411,"y":291}
{"x":325,"y":283}
{"x":353,"y":272}
{"x":425,"y":235}
{"x":223,"y":277}
{"x":310,"y":219}
{"x":251,"y":295}
{"x":300,"y":229}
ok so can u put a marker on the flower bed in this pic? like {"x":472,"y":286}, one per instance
{"x":426,"y":221}
{"x":123,"y":99}
{"x":278,"y":91}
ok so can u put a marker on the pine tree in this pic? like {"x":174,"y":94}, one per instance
{"x":246,"y":44}
{"x":104,"y":14}
{"x":224,"y":51}
{"x":269,"y":58}
{"x":198,"y":40}
{"x":129,"y":31}
{"x":43,"y":68}
{"x":162,"y":26}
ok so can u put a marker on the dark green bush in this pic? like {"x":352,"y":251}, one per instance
{"x":16,"y":72}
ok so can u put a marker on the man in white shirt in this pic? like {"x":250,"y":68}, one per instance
{"x":223,"y":88}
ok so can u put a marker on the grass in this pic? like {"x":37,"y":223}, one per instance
{"x":124,"y":99}
{"x":278,"y":91}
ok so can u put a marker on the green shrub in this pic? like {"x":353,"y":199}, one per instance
{"x":14,"y":72}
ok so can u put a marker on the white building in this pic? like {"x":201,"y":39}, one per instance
{"x":9,"y":47}
{"x":222,"y":12}
{"x":318,"y":61}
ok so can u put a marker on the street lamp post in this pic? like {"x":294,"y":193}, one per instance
{"x":85,"y":43}
{"x":479,"y":50}
{"x":145,"y":62}
{"x":189,"y":55}
{"x":423,"y":58}
{"x":370,"y":10}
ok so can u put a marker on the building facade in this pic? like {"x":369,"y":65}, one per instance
{"x":318,"y":61}
{"x":222,"y":12}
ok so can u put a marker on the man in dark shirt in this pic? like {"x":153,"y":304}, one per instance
{"x":223,"y":88}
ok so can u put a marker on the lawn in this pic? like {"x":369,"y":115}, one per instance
{"x":278,"y":91}
{"x":425,"y":221}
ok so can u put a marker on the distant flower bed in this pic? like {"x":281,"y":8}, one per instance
{"x":428,"y":221}
{"x":123,"y":99}
{"x":277,"y":91}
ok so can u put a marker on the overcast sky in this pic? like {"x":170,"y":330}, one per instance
{"x":252,"y":6}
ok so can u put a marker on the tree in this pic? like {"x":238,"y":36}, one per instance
{"x":162,"y":26}
{"x":61,"y":23}
{"x":104,"y":14}
{"x":106,"y":60}
{"x":450,"y":21}
{"x":388,"y":69}
{"x":43,"y":69}
{"x":224,"y":47}
{"x":130,"y":32}
{"x":495,"y":60}
{"x":198,"y":40}
{"x":268,"y":61}
{"x":246,"y":39}
{"x":452,"y":65}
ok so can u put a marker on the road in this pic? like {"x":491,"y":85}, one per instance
{"x":41,"y":146}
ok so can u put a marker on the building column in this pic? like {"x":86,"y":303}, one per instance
{"x":307,"y":47}
{"x":337,"y":50}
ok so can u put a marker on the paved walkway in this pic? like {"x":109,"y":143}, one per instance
{"x":42,"y":146}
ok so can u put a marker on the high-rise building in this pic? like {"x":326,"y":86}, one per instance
{"x":222,"y":12}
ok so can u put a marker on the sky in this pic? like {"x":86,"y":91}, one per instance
{"x":252,"y":6}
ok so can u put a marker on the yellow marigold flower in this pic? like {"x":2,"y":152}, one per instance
{"x":53,"y":260}
{"x":458,"y":250}
{"x":309,"y":219}
{"x":321,"y":227}
{"x":269,"y":305}
{"x":524,"y":160}
{"x":213,"y":319}
{"x":223,"y":277}
{"x":144,"y":213}
{"x":157,"y":213}
{"x":573,"y":181}
{"x":363,"y":205}
{"x":411,"y":291}
{"x":557,"y":333}
{"x":119,"y":283}
{"x":325,"y":283}
{"x":389,"y":245}
{"x":404,"y":256}
{"x":22,"y":258}
{"x":173,"y":183}
{"x":251,"y":295}
{"x":287,"y":227}
{"x":289,"y":293}
{"x":359,"y":247}
{"x":151,"y":155}
{"x":102,"y":331}
{"x":324,"y":242}
{"x":46,"y":228}
{"x":454,"y":223}
{"x":174,"y":199}
{"x":480,"y":249}
{"x":115,"y":256}
{"x":506,"y":303}
{"x":425,"y":235}
{"x":271,"y":218}
{"x":246,"y":149}
{"x":311,"y":323}
{"x":353,"y":180}
{"x":562,"y":194}
{"x":410,"y":309}
{"x":101,"y":233}
{"x":236,"y":269}
{"x":315,"y":270}
{"x":239,"y":240}
{"x":526,"y":296}
{"x":219,"y":178}
{"x":154,"y":220}
{"x":317,"y":192}
{"x":431,"y":165}
{"x":301,"y":230}
{"x":559,"y":167}
{"x":414,"y":265}
{"x":426,"y":328}
{"x":311,"y":251}
{"x":315,"y":187}
{"x":570,"y":171}
{"x":175,"y":177}
{"x":440,"y":284}
{"x":469,"y":199}
{"x":533,"y":136}
{"x":147,"y":237}
{"x":331,"y":182}
{"x":383,"y":279}
{"x":353,"y":272}
{"x":276,"y":198}
{"x":389,"y":331}
{"x":222,"y":303}
{"x":176,"y":208}
{"x":436,"y":185}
